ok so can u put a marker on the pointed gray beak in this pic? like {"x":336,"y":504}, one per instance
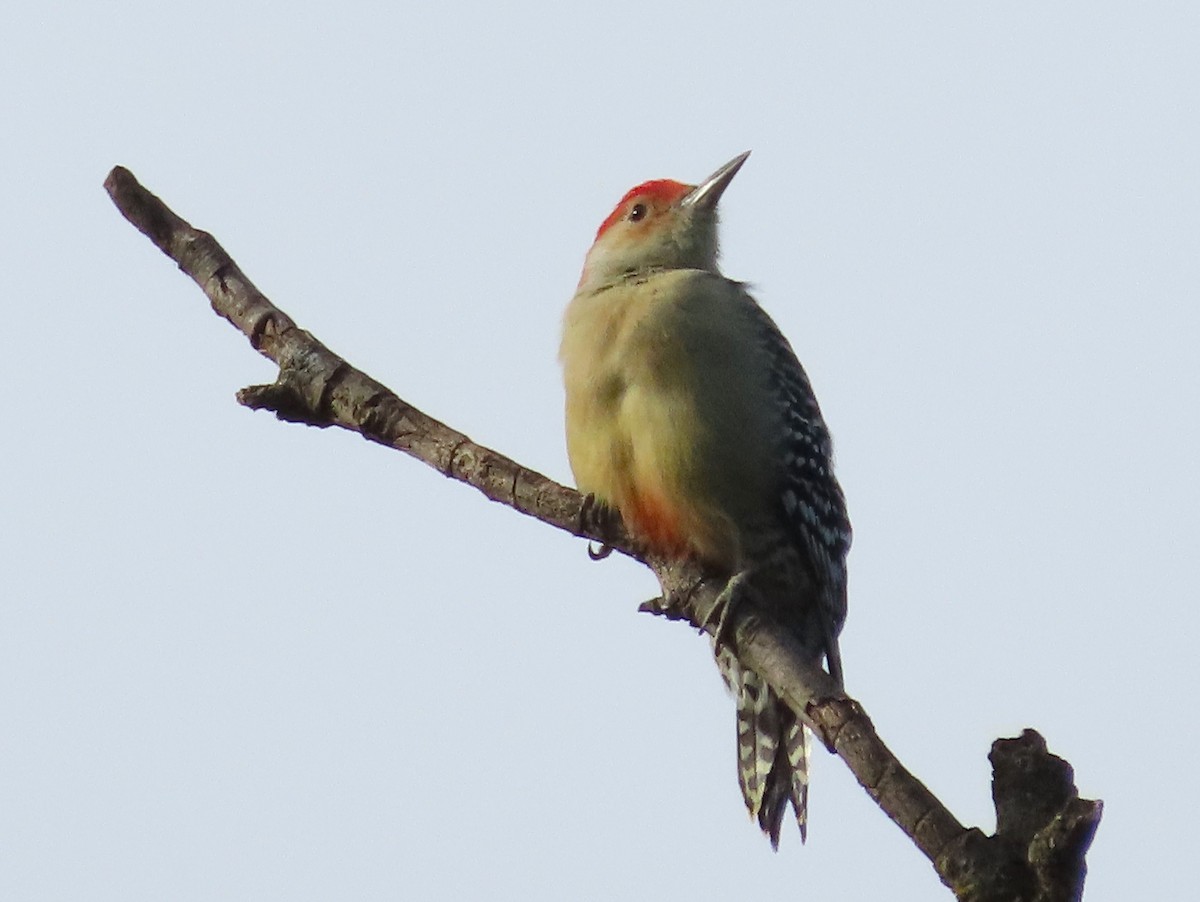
{"x":708,"y":192}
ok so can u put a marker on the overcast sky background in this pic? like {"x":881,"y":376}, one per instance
{"x":247,"y":660}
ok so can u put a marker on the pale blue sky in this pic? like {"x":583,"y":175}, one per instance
{"x":247,"y":660}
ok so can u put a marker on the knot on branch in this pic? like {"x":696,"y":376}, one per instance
{"x":1043,"y":831}
{"x":284,"y":398}
{"x":301,"y":394}
{"x":1039,"y":812}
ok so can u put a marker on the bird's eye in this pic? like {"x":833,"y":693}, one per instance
{"x":638,"y":213}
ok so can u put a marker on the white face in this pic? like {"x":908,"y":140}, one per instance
{"x":649,"y":229}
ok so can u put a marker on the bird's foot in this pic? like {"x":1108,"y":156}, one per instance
{"x":598,"y":519}
{"x":722,"y":609}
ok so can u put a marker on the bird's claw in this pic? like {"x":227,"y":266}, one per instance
{"x":598,"y":519}
{"x":722,"y":609}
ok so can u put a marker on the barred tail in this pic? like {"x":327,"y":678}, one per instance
{"x":772,"y":749}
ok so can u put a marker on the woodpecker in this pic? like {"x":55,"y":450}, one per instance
{"x":688,"y":412}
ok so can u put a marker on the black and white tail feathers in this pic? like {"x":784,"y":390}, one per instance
{"x":772,"y":750}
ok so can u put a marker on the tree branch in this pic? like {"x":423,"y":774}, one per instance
{"x":1044,"y":828}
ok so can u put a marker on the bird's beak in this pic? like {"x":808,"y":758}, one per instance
{"x":705,"y":195}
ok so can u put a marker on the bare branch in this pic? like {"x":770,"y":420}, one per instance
{"x":319,"y":388}
{"x":1044,"y":828}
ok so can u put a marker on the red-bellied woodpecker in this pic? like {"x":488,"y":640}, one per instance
{"x":688,"y":412}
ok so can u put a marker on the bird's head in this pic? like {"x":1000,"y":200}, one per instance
{"x":660,"y":224}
